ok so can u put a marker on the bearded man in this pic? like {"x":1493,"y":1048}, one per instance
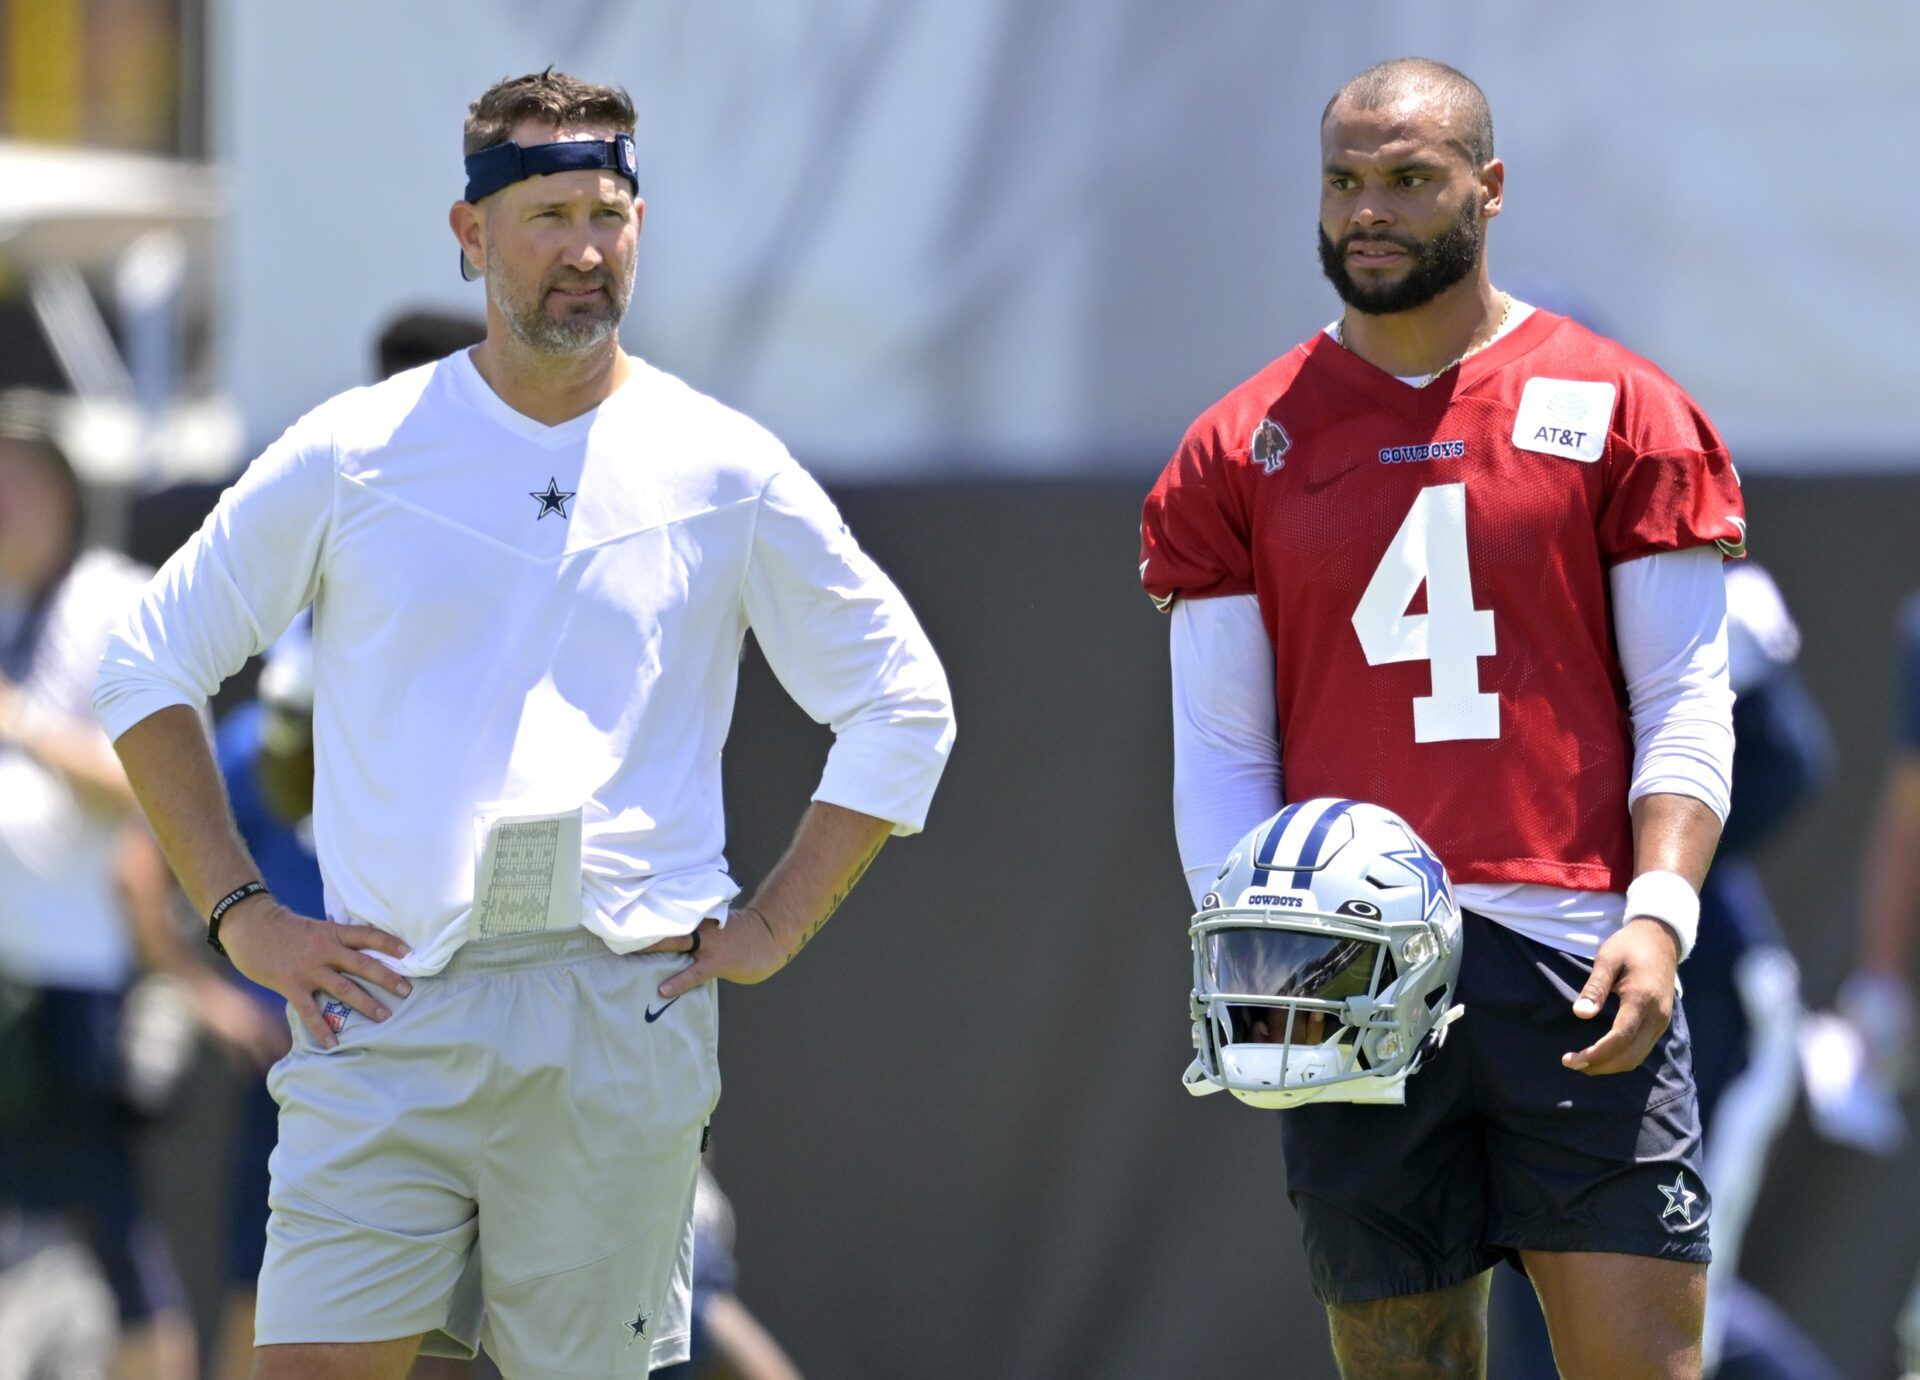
{"x":1461,"y":557}
{"x":531,"y":567}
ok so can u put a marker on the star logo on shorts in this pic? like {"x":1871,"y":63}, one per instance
{"x":637,"y":1328}
{"x":554,"y":500}
{"x":1680,"y":1199}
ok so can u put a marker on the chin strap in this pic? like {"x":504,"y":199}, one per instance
{"x":1195,"y":1081}
{"x":1438,"y":1035}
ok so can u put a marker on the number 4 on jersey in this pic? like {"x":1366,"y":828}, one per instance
{"x":1431,"y":549}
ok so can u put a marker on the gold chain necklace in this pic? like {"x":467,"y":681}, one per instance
{"x":1340,"y":339}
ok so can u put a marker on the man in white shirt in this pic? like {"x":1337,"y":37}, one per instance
{"x":531,"y":569}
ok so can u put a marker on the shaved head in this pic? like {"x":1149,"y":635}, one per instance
{"x":1433,"y":83}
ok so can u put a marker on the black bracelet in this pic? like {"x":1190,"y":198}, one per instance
{"x":225,"y":904}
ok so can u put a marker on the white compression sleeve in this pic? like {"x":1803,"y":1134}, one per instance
{"x":1226,"y":737}
{"x":1670,"y":624}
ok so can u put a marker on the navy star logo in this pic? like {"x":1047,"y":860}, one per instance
{"x":637,"y":1328}
{"x":1680,"y":1199}
{"x":1434,"y":886}
{"x":554,"y":500}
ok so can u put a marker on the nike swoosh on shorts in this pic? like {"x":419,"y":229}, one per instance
{"x":653,"y":1015}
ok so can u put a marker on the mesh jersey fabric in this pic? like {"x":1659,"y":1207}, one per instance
{"x":1303,"y":512}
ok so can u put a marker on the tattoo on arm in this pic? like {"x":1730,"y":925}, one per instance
{"x":833,"y":903}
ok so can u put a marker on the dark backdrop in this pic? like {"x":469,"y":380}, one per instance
{"x":954,"y":1131}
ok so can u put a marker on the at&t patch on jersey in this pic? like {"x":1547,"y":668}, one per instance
{"x":335,"y":1012}
{"x":1564,"y":417}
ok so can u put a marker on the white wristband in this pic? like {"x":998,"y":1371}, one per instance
{"x":1669,"y":898}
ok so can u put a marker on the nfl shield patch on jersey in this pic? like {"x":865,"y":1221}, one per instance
{"x":335,"y":1013}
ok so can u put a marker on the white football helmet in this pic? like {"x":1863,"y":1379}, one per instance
{"x":1325,"y":957}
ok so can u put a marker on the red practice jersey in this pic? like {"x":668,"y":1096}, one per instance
{"x":1431,"y":564}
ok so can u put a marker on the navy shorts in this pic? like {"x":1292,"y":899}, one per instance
{"x":1500,"y":1148}
{"x":67,"y":1142}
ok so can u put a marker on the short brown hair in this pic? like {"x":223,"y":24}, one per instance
{"x":551,"y":97}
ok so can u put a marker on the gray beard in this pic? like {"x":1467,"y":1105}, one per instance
{"x":573,"y":334}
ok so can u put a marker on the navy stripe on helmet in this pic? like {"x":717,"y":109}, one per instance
{"x":1310,"y":851}
{"x":1263,"y":865}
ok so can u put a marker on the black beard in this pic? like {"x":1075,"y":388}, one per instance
{"x":1438,"y":264}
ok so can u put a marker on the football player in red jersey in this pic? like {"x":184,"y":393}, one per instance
{"x":1461,"y":557}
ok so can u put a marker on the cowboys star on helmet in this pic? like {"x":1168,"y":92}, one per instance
{"x":1325,"y":958}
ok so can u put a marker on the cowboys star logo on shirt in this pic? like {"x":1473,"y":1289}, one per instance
{"x":637,"y":1328}
{"x":1270,"y":445}
{"x":554,"y":500}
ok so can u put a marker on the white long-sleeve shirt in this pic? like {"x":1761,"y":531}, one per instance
{"x":1670,"y":626}
{"x":512,"y":618}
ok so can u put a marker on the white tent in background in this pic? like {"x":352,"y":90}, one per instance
{"x":85,"y":207}
{"x":79,"y":226}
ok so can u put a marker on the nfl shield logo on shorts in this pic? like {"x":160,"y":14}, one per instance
{"x":335,"y":1013}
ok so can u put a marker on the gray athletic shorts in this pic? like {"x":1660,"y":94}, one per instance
{"x":509,"y":1159}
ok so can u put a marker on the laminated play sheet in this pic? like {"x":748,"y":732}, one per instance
{"x":529,"y":872}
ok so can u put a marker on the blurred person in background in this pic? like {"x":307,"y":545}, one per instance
{"x":423,"y":336}
{"x":521,"y":691}
{"x":1743,"y":985}
{"x":1743,"y":1002}
{"x":1877,"y":999}
{"x":67,"y":956}
{"x":729,"y":1342}
{"x":56,"y":1313}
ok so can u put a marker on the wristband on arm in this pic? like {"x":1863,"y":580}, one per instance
{"x":1669,"y":898}
{"x":225,"y":904}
